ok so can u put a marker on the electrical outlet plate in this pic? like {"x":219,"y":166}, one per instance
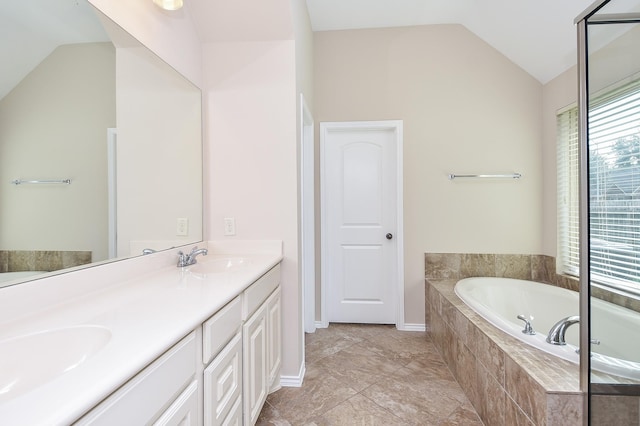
{"x":182,"y":226}
{"x":229,"y":226}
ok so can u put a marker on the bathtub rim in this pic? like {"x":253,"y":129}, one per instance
{"x":613,"y":369}
{"x":514,"y":329}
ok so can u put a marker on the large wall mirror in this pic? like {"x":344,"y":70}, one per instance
{"x":100,"y":143}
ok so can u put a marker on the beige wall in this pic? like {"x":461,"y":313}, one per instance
{"x":616,"y":62}
{"x":561,"y":92}
{"x":53,"y":126}
{"x":466,"y":109}
{"x":252,"y":159}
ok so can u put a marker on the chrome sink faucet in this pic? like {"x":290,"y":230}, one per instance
{"x":190,"y":259}
{"x":557,"y":332}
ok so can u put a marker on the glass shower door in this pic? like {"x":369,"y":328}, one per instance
{"x":610,"y":217}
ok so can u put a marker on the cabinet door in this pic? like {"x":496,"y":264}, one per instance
{"x":183,"y":411}
{"x":223,"y":383}
{"x":274,"y":337}
{"x":254,"y":336}
{"x":234,"y":418}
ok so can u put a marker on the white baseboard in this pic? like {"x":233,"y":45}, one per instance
{"x":293,"y":381}
{"x":320,"y":324}
{"x":413,"y":327}
{"x":401,"y":327}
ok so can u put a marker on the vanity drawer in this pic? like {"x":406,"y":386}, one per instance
{"x":258,"y":292}
{"x":220,"y":328}
{"x":145,"y":397}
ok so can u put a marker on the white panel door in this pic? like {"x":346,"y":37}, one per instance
{"x":360,"y":221}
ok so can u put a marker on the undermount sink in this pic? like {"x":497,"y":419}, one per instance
{"x":31,"y":360}
{"x":218,"y":266}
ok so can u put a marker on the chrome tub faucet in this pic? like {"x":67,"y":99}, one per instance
{"x":557,"y":332}
{"x":190,"y":259}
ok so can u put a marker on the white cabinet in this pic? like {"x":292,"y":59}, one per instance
{"x":274,"y":339}
{"x":234,"y":418}
{"x":184,"y":410}
{"x":262,"y":337}
{"x":218,"y":375}
{"x":254,"y":333}
{"x":153,"y":391}
{"x":223,"y":383}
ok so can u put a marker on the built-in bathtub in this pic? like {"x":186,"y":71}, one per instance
{"x":501,"y":300}
{"x":508,"y":381}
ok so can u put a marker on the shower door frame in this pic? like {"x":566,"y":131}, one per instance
{"x":583,"y":137}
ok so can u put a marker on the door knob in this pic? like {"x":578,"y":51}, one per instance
{"x":389,"y":236}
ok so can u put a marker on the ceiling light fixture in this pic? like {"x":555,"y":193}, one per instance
{"x":169,"y":4}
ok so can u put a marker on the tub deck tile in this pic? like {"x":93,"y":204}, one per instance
{"x":477,"y":265}
{"x":492,"y":398}
{"x":564,"y":410}
{"x":514,"y":414}
{"x":491,"y":357}
{"x":516,"y":266}
{"x":526,"y":392}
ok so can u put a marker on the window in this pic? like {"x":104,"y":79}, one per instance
{"x":614,"y":188}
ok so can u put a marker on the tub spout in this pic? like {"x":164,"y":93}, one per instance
{"x":557,"y":332}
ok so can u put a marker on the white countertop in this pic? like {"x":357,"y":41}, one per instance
{"x":146,"y":314}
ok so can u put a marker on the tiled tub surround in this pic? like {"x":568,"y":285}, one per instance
{"x":534,"y":267}
{"x":507,"y":381}
{"x":540,"y":268}
{"x":41,"y":260}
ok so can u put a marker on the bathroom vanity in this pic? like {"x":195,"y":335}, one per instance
{"x":189,"y":346}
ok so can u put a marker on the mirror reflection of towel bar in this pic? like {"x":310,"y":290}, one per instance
{"x":453,"y":176}
{"x":38,"y":182}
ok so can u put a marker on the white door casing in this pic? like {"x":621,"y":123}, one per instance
{"x":112,"y":169}
{"x":361,"y":192}
{"x":307,"y":231}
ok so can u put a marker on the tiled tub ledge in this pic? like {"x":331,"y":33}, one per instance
{"x":507,"y":381}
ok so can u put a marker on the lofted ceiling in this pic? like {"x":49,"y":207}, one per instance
{"x":33,"y":29}
{"x":537,"y":35}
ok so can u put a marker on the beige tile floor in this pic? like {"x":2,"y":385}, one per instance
{"x":371,"y":375}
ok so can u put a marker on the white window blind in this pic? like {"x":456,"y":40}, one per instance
{"x":568,"y":179}
{"x":614,"y":188}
